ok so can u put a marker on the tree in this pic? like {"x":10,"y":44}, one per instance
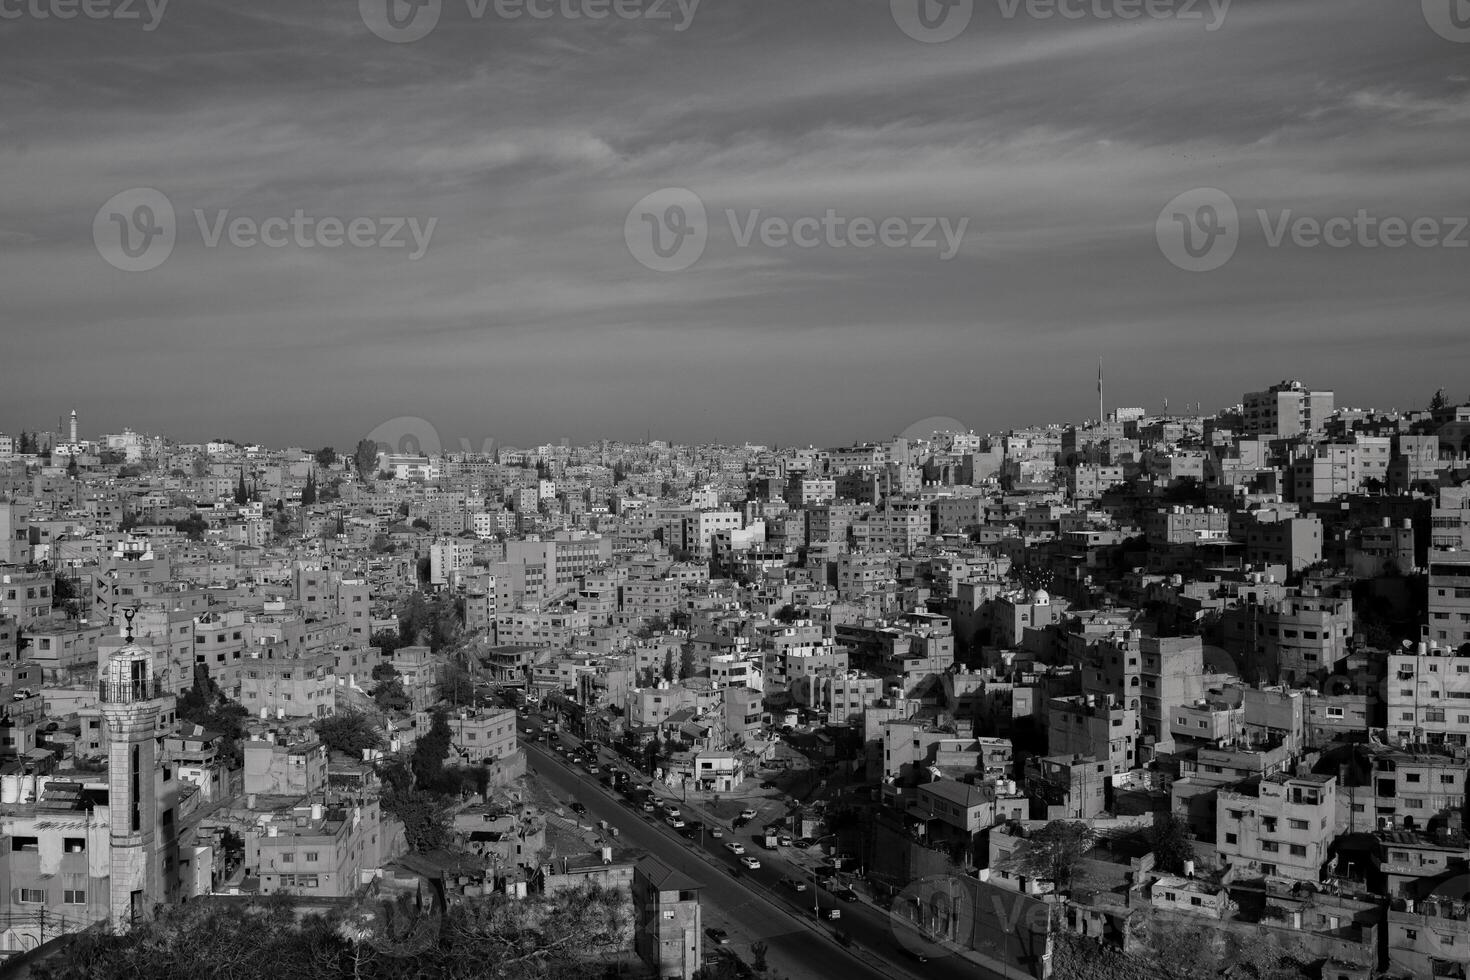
{"x":430,"y":751}
{"x":419,"y":522}
{"x":365,"y":458}
{"x":687,"y":667}
{"x":787,"y":614}
{"x":205,"y":705}
{"x":64,"y":595}
{"x":669,"y":666}
{"x":242,"y":493}
{"x":193,"y":525}
{"x":348,"y":732}
{"x":1439,"y":402}
{"x":326,"y":457}
{"x":72,"y":469}
{"x":1055,"y":850}
{"x":758,"y":950}
{"x":308,"y":492}
{"x":1170,"y":842}
{"x":387,"y":641}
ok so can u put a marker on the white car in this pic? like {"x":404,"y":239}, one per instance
{"x":750,"y":862}
{"x":671,"y":809}
{"x":716,"y":833}
{"x":747,"y":814}
{"x":735,"y":847}
{"x":675,"y":822}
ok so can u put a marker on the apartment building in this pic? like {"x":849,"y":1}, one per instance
{"x":314,"y":849}
{"x":1449,"y":600}
{"x":1278,"y":826}
{"x":1104,"y":727}
{"x":483,"y":735}
{"x":1286,"y":410}
{"x":668,"y":932}
{"x":1427,"y":692}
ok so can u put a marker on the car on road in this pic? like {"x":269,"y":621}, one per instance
{"x":794,"y":884}
{"x":747,"y":814}
{"x":750,"y":862}
{"x":648,"y":806}
{"x":784,"y":840}
{"x":845,"y":894}
{"x":674,"y":822}
{"x":718,"y":936}
{"x":735,"y":847}
{"x":578,"y":808}
{"x":671,"y":809}
{"x":716,"y":833}
{"x":592,"y":768}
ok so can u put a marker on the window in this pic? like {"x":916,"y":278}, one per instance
{"x":25,"y":844}
{"x":35,"y":896}
{"x":312,"y":855}
{"x":74,"y":845}
{"x":74,"y":896}
{"x":1298,"y":850}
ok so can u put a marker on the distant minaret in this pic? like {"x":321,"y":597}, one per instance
{"x":73,"y":427}
{"x":1101,"y":417}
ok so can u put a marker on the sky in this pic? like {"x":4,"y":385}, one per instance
{"x":1086,"y":168}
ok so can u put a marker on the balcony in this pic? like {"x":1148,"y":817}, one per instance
{"x":131,"y":691}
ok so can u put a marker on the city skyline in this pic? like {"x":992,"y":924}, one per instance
{"x":521,"y":147}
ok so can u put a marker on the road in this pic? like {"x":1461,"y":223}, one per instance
{"x":752,"y":904}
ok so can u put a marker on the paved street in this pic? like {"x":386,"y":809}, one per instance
{"x":754,"y":905}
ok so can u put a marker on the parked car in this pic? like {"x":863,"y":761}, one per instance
{"x":794,"y":884}
{"x":671,"y":809}
{"x":846,"y":894}
{"x":716,"y":833}
{"x":750,"y":862}
{"x":578,"y":808}
{"x":674,"y":822}
{"x":648,"y":806}
{"x":735,"y":847}
{"x":784,"y":840}
{"x":747,"y":814}
{"x":718,"y":936}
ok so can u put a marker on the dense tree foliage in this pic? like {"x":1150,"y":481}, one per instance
{"x":1170,"y":842}
{"x":205,"y":704}
{"x":348,"y":731}
{"x":568,"y":937}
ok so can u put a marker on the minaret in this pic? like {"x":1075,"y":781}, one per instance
{"x":131,"y":698}
{"x":73,"y":427}
{"x":1101,"y":418}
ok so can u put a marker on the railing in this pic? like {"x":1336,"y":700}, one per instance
{"x":130,"y":692}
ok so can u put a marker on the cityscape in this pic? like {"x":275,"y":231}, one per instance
{"x":734,"y":490}
{"x":1161,"y":694}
